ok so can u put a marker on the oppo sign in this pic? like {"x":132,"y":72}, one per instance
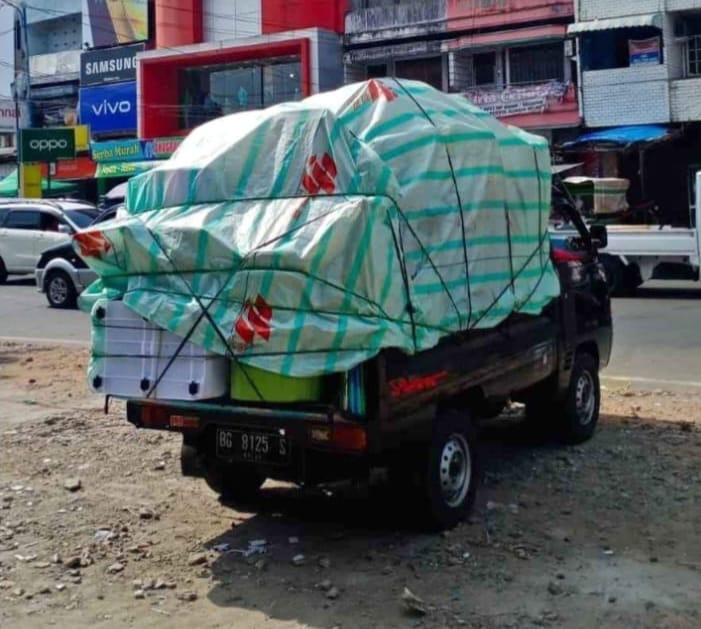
{"x":46,"y":145}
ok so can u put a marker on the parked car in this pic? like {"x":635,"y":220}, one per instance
{"x":61,"y":273}
{"x":29,"y":226}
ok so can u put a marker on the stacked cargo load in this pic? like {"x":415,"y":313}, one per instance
{"x":302,"y":240}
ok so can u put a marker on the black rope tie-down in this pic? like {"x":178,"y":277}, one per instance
{"x":460,"y":207}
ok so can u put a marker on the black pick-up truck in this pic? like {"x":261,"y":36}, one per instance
{"x":421,"y":410}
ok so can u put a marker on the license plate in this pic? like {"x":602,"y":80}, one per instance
{"x":252,"y":446}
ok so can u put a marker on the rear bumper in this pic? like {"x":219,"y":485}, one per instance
{"x":310,"y":461}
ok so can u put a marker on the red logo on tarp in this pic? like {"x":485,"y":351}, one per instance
{"x":320,"y":174}
{"x":92,"y":244}
{"x":254,"y":320}
{"x":379,"y":90}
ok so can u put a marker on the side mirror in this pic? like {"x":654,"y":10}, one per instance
{"x":65,"y":229}
{"x":599,"y":236}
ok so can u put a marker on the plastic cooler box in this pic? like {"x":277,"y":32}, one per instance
{"x":129,"y":354}
{"x":250,"y":384}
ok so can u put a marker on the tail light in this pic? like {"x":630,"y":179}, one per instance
{"x":341,"y":436}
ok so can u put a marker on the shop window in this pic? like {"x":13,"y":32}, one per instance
{"x":607,"y":50}
{"x":688,"y":27}
{"x":485,"y":69}
{"x":537,"y":64}
{"x":428,"y":70}
{"x":212,"y":91}
{"x":693,"y":56}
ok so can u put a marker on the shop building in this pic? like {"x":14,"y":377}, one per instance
{"x":233,"y":57}
{"x":640,"y":66}
{"x":511,"y":57}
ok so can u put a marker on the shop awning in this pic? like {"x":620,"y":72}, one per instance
{"x":9,"y":186}
{"x":632,"y":21}
{"x":622,"y":136}
{"x":124,"y":169}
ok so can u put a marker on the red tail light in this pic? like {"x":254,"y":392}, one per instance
{"x":154,"y":416}
{"x":340,"y":436}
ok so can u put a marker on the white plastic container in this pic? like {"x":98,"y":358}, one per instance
{"x":132,"y":358}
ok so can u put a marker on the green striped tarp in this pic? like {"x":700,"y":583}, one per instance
{"x":307,"y":237}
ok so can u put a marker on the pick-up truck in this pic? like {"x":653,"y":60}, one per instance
{"x":421,"y":411}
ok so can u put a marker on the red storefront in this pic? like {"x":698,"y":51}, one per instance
{"x":291,"y":50}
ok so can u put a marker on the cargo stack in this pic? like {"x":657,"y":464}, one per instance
{"x":280,"y":250}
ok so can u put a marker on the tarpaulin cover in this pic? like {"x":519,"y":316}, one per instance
{"x":307,"y":237}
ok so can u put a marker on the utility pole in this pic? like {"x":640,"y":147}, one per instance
{"x":21,"y":89}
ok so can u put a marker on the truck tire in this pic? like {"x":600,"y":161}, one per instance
{"x":573,"y":416}
{"x":448,"y":471}
{"x":236,"y":483}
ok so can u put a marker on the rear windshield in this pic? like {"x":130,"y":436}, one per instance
{"x":82,"y":218}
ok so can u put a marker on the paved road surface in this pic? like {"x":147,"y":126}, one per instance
{"x":657,"y":334}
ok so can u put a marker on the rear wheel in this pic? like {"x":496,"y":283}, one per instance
{"x":3,"y":272}
{"x":234,"y":482}
{"x":60,"y":290}
{"x":448,"y":472}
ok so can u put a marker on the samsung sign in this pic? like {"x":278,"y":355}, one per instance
{"x":110,"y":65}
{"x":109,"y":108}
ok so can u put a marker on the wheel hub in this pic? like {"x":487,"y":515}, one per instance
{"x":58,"y":290}
{"x":585,"y":398}
{"x":455,"y":470}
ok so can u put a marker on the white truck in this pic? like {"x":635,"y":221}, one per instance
{"x":637,"y":253}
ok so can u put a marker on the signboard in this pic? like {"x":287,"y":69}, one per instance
{"x":134,"y":150}
{"x":79,"y":168}
{"x":109,"y":108}
{"x":30,"y":181}
{"x":124,"y":169}
{"x":516,"y":100}
{"x":644,"y":51}
{"x":46,"y":145}
{"x":82,"y":137}
{"x":8,"y":115}
{"x":109,"y":65}
{"x":112,"y":22}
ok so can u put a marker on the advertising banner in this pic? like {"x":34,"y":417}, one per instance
{"x":644,"y":51}
{"x":109,"y":108}
{"x":134,"y":150}
{"x":109,"y":65}
{"x":124,"y":169}
{"x":111,"y":22}
{"x":518,"y":99}
{"x":8,"y":115}
{"x":46,"y":145}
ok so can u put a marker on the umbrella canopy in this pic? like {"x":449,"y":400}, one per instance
{"x":9,"y":186}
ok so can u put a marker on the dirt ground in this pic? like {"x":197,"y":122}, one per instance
{"x":604,"y":534}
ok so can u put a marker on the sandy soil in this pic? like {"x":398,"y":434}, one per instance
{"x":603,"y":534}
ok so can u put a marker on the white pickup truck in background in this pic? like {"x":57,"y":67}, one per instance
{"x":637,"y":253}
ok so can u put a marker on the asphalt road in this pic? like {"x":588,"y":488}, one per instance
{"x":657,"y":334}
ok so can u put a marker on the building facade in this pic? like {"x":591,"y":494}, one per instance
{"x":511,"y":57}
{"x":235,"y":56}
{"x":640,"y":64}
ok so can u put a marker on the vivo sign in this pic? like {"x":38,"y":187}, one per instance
{"x":108,"y":108}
